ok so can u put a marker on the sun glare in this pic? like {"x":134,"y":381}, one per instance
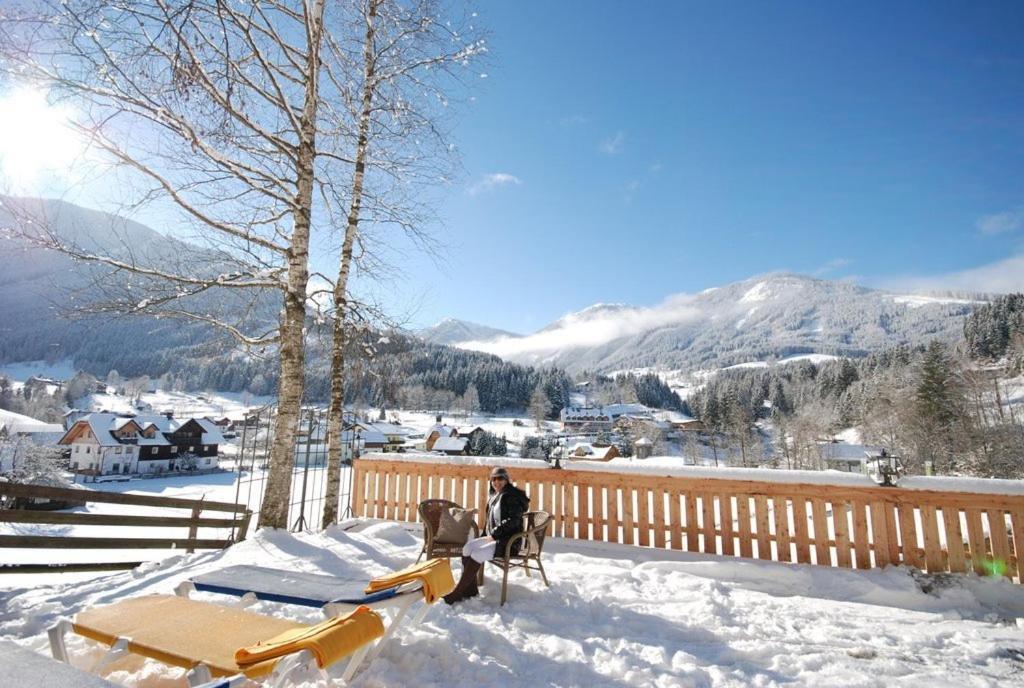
{"x":35,"y":139}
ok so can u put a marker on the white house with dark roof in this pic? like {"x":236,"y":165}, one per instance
{"x":112,"y":444}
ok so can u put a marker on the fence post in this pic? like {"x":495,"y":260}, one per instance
{"x":193,"y":530}
{"x":243,"y":526}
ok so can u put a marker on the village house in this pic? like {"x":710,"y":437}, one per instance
{"x":437,"y":432}
{"x":452,"y":446}
{"x":112,"y":444}
{"x":584,"y":451}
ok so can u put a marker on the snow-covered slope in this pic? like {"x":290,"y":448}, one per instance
{"x":453,"y":331}
{"x":768,"y":317}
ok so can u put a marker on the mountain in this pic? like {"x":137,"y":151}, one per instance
{"x":453,"y":331}
{"x":39,"y":291}
{"x":763,"y":318}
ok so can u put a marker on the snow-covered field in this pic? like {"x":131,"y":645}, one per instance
{"x":614,"y":616}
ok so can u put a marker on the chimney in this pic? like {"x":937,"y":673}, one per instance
{"x":438,"y":419}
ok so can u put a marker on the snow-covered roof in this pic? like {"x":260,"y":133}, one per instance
{"x":841,"y":451}
{"x":211,"y":431}
{"x":444,"y":430}
{"x":589,"y":451}
{"x":372,"y":437}
{"x":674,"y":417}
{"x":643,"y":442}
{"x":387,"y":428}
{"x":456,"y":444}
{"x":17,"y":424}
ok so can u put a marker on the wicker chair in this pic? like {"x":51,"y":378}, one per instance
{"x":430,"y":514}
{"x":535,"y":528}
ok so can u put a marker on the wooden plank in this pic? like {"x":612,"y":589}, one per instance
{"x":819,"y":521}
{"x":955,"y":553}
{"x":707,"y":503}
{"x":569,"y":509}
{"x":746,"y":538}
{"x":379,"y":485}
{"x":1017,"y":522}
{"x":890,"y":528}
{"x":358,"y":489}
{"x":933,"y":554}
{"x":611,"y":509}
{"x":675,"y":517}
{"x":726,"y":511}
{"x":659,"y":518}
{"x":881,"y":536}
{"x":976,"y":540}
{"x":1000,"y":543}
{"x":803,"y":542}
{"x":69,"y":568}
{"x":692,"y":531}
{"x":61,"y":542}
{"x":583,"y":519}
{"x":88,"y":519}
{"x":764,"y":547}
{"x":861,"y":542}
{"x":841,"y":525}
{"x":556,"y":527}
{"x":780,"y":509}
{"x":643,"y":517}
{"x":627,"y":515}
{"x":912,"y":555}
{"x":93,"y":496}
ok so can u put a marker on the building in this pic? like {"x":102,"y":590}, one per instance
{"x":437,"y":432}
{"x":112,"y":444}
{"x":591,"y":418}
{"x":452,"y":446}
{"x":584,"y":451}
{"x":395,"y":435}
{"x":17,"y":430}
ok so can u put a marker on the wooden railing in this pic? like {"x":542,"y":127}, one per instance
{"x":829,"y":525}
{"x":237,"y":522}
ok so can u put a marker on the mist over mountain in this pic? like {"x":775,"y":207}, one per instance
{"x":762,"y":318}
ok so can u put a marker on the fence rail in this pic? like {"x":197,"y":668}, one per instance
{"x":238,"y":524}
{"x":828,"y":525}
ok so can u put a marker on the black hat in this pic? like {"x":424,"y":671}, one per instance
{"x":499,"y":472}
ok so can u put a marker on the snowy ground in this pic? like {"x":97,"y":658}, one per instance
{"x":615,"y":616}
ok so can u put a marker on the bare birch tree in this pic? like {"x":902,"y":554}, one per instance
{"x":410,"y":58}
{"x":216,"y":111}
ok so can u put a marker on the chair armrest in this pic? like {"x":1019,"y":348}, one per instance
{"x":511,"y":541}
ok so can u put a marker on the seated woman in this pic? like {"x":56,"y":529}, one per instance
{"x":506,"y":506}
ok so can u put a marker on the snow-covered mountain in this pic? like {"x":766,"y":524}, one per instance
{"x":453,"y":330}
{"x":766,"y":317}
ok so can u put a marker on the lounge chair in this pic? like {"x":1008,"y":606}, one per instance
{"x":211,"y":640}
{"x":535,"y":528}
{"x":332,"y":594}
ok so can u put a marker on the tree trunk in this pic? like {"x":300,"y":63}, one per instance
{"x":335,"y":416}
{"x":274,"y":510}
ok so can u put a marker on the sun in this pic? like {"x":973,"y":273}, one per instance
{"x":35,"y":139}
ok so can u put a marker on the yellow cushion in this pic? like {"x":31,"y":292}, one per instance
{"x":329,"y":641}
{"x":435,"y":574}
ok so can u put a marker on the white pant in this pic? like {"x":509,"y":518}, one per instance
{"x":481,"y":549}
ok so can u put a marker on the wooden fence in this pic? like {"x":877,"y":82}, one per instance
{"x":237,"y":522}
{"x":829,"y":525}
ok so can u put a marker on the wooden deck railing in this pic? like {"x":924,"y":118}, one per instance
{"x":237,"y":522}
{"x":829,"y":525}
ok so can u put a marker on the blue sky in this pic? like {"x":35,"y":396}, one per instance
{"x":627,"y":152}
{"x":651,"y":149}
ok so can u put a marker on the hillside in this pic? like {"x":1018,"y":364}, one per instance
{"x":452,"y":331}
{"x":763,"y":318}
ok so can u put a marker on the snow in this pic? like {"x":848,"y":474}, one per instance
{"x":17,"y":423}
{"x":759,"y":292}
{"x":63,"y":369}
{"x":615,"y":615}
{"x":919,"y":300}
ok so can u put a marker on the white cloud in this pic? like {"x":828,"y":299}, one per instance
{"x":573,"y":120}
{"x":613,"y":145}
{"x":493,"y":181}
{"x":589,"y":328}
{"x":831,"y":266}
{"x":999,"y":223}
{"x":1002,"y":276}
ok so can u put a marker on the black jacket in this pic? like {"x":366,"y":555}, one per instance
{"x":514,"y":503}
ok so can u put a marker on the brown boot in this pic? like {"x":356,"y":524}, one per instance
{"x":466,"y":586}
